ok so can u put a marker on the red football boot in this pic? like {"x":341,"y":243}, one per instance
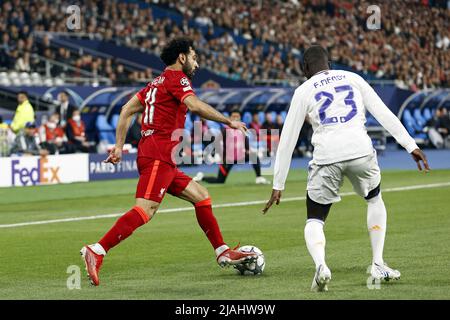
{"x":93,"y":263}
{"x":234,"y":257}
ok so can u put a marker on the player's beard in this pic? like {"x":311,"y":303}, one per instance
{"x":188,"y":70}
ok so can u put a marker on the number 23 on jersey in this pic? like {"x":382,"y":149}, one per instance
{"x":328,"y":102}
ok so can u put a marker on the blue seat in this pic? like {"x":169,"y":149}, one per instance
{"x":409,"y":122}
{"x":427,"y":114}
{"x":261,"y":117}
{"x":115,"y":120}
{"x":105,"y":130}
{"x":214,"y":127}
{"x":420,"y":120}
{"x":212,"y":124}
{"x":274,"y":116}
{"x":188,"y":125}
{"x":371,"y":121}
{"x":247,"y":118}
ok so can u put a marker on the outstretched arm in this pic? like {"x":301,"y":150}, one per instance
{"x":391,"y":123}
{"x":289,"y":136}
{"x":204,"y":110}
{"x":126,"y":114}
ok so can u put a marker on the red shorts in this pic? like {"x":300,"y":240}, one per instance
{"x":157,"y":177}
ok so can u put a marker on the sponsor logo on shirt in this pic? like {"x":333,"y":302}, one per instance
{"x":158,"y":80}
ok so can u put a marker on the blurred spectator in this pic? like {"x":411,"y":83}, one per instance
{"x":76,"y":133}
{"x":65,"y":109}
{"x":23,"y":63}
{"x":438,"y":128}
{"x":134,"y":133}
{"x":27,"y":142}
{"x":122,"y":78}
{"x":255,"y":124}
{"x":269,"y":125}
{"x":257,"y":41}
{"x":24,"y":112}
{"x":279,"y":123}
{"x":53,"y":137}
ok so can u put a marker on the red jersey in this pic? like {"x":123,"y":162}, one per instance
{"x":164,"y":112}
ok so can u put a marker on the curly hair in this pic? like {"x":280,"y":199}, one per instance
{"x":172,"y":50}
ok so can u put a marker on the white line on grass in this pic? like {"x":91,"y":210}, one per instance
{"x":223,"y":205}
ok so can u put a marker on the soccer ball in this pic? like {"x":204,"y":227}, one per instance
{"x":253,"y":268}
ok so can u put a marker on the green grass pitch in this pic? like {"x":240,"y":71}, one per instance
{"x":170,"y":258}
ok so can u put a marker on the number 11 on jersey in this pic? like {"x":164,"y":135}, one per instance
{"x":150,"y":106}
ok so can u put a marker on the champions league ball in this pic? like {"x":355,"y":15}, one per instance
{"x":253,"y":268}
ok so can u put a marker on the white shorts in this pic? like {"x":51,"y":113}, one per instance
{"x":324,"y":181}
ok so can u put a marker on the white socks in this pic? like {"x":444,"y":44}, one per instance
{"x":221,"y":249}
{"x":98,"y":249}
{"x":315,"y":240}
{"x":376,"y":224}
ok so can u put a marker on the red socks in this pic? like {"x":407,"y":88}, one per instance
{"x":136,"y":217}
{"x":124,"y":227}
{"x":208,"y":222}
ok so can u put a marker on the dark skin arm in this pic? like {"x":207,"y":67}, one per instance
{"x":417,"y":155}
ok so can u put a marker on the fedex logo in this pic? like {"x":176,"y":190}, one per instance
{"x":40,"y":173}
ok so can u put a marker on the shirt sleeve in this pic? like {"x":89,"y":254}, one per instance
{"x":142,"y":93}
{"x":289,"y":136}
{"x":180,"y":87}
{"x":385,"y":117}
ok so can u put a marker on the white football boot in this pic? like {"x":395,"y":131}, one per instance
{"x":262,"y":180}
{"x":321,"y":279}
{"x":198,"y":177}
{"x":379,"y":272}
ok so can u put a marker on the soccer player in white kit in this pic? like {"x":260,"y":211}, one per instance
{"x":336,"y":102}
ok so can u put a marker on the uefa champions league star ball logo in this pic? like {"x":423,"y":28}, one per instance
{"x":184,"y":81}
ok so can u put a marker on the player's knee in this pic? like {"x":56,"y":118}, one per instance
{"x":202,"y":193}
{"x":373,"y":193}
{"x":316,"y":210}
{"x":149,"y":207}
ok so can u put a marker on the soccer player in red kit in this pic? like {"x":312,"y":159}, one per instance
{"x":163,"y":104}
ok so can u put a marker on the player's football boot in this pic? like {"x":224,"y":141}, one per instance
{"x":198,"y":177}
{"x":321,"y":279}
{"x":233,"y":257}
{"x":93,"y":262}
{"x":382,"y":271}
{"x":262,"y":180}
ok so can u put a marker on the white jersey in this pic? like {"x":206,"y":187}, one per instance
{"x":335,"y":102}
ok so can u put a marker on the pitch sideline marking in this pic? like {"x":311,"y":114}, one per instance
{"x":223,"y":205}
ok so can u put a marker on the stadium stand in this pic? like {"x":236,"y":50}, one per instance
{"x":235,"y":41}
{"x":119,"y":42}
